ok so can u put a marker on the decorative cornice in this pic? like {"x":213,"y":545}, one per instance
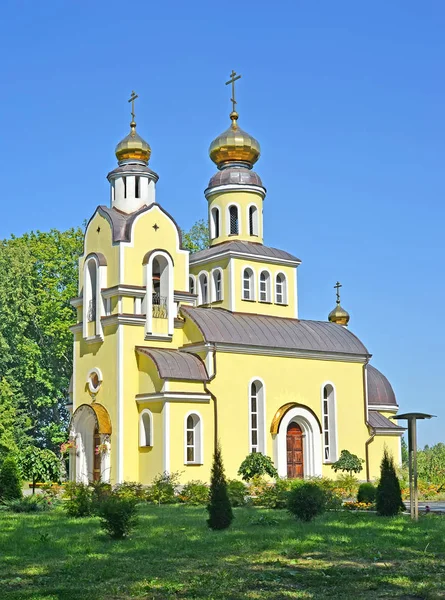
{"x":243,"y":255}
{"x":384,"y":407}
{"x":235,"y":187}
{"x":173,"y":397}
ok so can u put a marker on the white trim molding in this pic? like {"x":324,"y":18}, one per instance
{"x":167,"y":396}
{"x":166,"y":438}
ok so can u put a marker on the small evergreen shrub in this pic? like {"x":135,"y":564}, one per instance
{"x":10,"y":482}
{"x":333,"y":497}
{"x":366,"y":493}
{"x":195,"y":492}
{"x":237,"y":492}
{"x":78,"y":499}
{"x":29,"y":504}
{"x":130,"y":489}
{"x":306,"y":501}
{"x":118,"y":515}
{"x":389,"y":497}
{"x":257,"y":464}
{"x":276,"y":495}
{"x":219,"y":508}
{"x":163,"y":488}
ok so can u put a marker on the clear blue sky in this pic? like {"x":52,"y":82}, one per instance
{"x":347,"y":101}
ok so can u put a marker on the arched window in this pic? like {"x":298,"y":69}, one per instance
{"x":158,"y":301}
{"x":329,"y":425}
{"x":193,"y":439}
{"x":214,"y":223}
{"x":91,"y":290}
{"x":191,"y":284}
{"x":146,"y":428}
{"x":264,"y":286}
{"x":253,"y":220}
{"x":248,"y":291}
{"x":256,"y":416}
{"x":217,"y":285}
{"x":280,"y":289}
{"x":203,"y":288}
{"x":160,"y":287}
{"x":234,"y":220}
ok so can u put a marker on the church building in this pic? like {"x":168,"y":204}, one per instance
{"x":174,"y":351}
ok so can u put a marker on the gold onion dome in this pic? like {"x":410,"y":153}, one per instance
{"x":339,"y":315}
{"x":234,"y":146}
{"x":133,"y":147}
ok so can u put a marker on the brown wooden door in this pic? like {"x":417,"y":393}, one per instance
{"x":294,"y":446}
{"x":97,"y":456}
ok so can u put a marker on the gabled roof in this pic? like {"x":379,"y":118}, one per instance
{"x":251,"y":249}
{"x":173,"y":364}
{"x":378,"y":421}
{"x":221,"y":326}
{"x":380,"y":392}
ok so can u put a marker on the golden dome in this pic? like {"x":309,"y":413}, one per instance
{"x":234,"y":145}
{"x":133,"y":147}
{"x":339,"y":315}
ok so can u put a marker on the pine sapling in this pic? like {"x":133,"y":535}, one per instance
{"x":219,"y":508}
{"x":389,"y":497}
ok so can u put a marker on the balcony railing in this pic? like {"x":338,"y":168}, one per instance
{"x":160,"y":306}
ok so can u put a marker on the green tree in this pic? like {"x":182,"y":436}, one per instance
{"x":404,"y":449}
{"x":431,"y":464}
{"x":389,"y":497}
{"x":257,"y":464}
{"x":348,"y":462}
{"x":39,"y":465}
{"x":219,"y":508}
{"x":198,"y":238}
{"x":10,"y":482}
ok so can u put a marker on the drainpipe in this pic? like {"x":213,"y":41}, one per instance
{"x":367,"y":443}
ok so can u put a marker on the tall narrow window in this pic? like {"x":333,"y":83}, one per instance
{"x":125,"y":186}
{"x":280,"y":289}
{"x":329,"y":428}
{"x":203,"y":288}
{"x":137,"y":187}
{"x":214,"y":223}
{"x":264,"y":286}
{"x":91,"y":291}
{"x":146,"y":428}
{"x":248,"y":293}
{"x":256,"y":410}
{"x":253,"y":220}
{"x":193,"y":441}
{"x":191,"y":284}
{"x":234,"y":221}
{"x":160,"y":287}
{"x":217,"y":285}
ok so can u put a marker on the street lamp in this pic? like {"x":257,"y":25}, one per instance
{"x":412,"y":453}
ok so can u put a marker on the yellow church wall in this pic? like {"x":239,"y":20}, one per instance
{"x":149,"y":380}
{"x":101,"y":242}
{"x":178,"y":412}
{"x":375,"y":453}
{"x":243,"y":199}
{"x":189,"y":387}
{"x":208,"y":267}
{"x":151,"y":458}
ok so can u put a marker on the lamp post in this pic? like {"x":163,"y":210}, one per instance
{"x":412,"y":454}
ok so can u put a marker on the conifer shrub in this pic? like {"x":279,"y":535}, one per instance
{"x":10,"y":482}
{"x":78,"y":499}
{"x":307,"y":501}
{"x":389,"y":497}
{"x":219,"y":507}
{"x":118,"y":514}
{"x":237,"y":491}
{"x":195,"y":493}
{"x":367,"y":493}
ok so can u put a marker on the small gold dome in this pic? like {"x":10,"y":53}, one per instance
{"x":234,"y":145}
{"x":133,"y":147}
{"x":339,"y":315}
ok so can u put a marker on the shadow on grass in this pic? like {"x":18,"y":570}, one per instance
{"x":173,"y":554}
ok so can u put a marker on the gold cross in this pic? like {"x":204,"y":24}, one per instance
{"x":233,"y":78}
{"x":337,"y":286}
{"x":132,"y":99}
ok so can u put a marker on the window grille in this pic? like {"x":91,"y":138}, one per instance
{"x":280,"y":289}
{"x":218,"y":287}
{"x":159,"y":306}
{"x":190,"y":441}
{"x":247,"y":285}
{"x":264,"y":287}
{"x":91,"y":314}
{"x":234,"y":224}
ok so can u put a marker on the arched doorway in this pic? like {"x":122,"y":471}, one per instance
{"x":90,"y":429}
{"x":295,"y":453}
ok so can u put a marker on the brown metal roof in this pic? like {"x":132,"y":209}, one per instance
{"x":235,"y":176}
{"x":378,"y":421}
{"x":173,"y":364}
{"x":240,"y":247}
{"x":380,"y":392}
{"x":222,"y":326}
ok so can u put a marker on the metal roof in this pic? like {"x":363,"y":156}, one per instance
{"x":380,"y":392}
{"x":173,"y":364}
{"x":218,"y":325}
{"x":240,"y":247}
{"x":378,"y":421}
{"x":235,"y":176}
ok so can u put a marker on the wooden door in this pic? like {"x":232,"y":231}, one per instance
{"x":97,"y":456}
{"x":294,"y":446}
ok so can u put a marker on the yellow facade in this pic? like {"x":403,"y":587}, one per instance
{"x":178,"y":366}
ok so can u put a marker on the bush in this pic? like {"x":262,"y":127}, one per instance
{"x":29,"y":504}
{"x":257,"y":464}
{"x":306,"y":501}
{"x":99,"y":491}
{"x":163,"y":488}
{"x":389,"y":497}
{"x":78,"y":499}
{"x":220,"y":509}
{"x":237,"y":492}
{"x":346,"y":485}
{"x":195,"y":492}
{"x":118,"y":515}
{"x":276,"y":495}
{"x":10,"y":483}
{"x":333,"y":498}
{"x":366,"y":493}
{"x":130,"y":489}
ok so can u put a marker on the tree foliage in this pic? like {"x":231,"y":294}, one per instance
{"x":389,"y":497}
{"x":348,"y":462}
{"x":37,"y":464}
{"x":257,"y":464}
{"x":219,"y":508}
{"x":10,"y":482}
{"x":198,"y":238}
{"x":431,"y":464}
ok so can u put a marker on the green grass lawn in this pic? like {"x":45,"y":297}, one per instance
{"x":172,"y":554}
